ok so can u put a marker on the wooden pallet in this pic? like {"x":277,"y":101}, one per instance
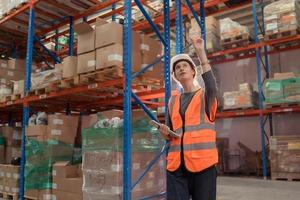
{"x":237,"y":41}
{"x":69,"y":82}
{"x":287,"y":176}
{"x":108,"y":73}
{"x":282,"y":105}
{"x":30,"y":198}
{"x":17,"y":96}
{"x":281,"y":34}
{"x":9,"y":196}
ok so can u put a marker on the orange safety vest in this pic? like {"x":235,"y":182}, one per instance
{"x":199,"y":138}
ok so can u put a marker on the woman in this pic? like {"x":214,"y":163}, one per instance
{"x":191,"y":159}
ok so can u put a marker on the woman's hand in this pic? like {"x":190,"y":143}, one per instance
{"x":198,"y":43}
{"x":164,"y":131}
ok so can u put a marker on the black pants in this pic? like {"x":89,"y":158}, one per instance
{"x":183,"y":185}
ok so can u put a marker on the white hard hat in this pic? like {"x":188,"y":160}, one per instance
{"x":182,"y":57}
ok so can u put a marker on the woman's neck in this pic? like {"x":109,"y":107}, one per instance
{"x":188,"y":87}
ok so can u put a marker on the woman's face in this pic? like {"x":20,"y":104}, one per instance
{"x":184,"y":72}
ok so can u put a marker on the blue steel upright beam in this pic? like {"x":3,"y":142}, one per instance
{"x":259,"y":80}
{"x":71,"y":37}
{"x":51,"y":54}
{"x":202,"y":20}
{"x":113,"y":8}
{"x":127,"y":101}
{"x":178,"y":24}
{"x":25,"y":119}
{"x":270,"y":116}
{"x":167,"y":52}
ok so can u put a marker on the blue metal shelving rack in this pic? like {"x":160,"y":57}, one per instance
{"x":128,"y":94}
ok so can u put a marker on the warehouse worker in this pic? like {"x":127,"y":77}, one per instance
{"x":191,"y":159}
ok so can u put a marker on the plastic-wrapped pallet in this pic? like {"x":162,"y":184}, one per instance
{"x":230,"y":29}
{"x":212,"y":32}
{"x":103,"y":159}
{"x":42,"y":79}
{"x":244,"y":98}
{"x":282,"y":16}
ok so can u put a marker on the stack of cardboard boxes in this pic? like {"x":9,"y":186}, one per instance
{"x":45,"y":145}
{"x":67,"y":181}
{"x":102,"y":48}
{"x":9,"y":178}
{"x":232,"y":31}
{"x":103,"y":156}
{"x":212,"y":33}
{"x":284,"y":157}
{"x":243,"y":98}
{"x":11,"y":71}
{"x":12,"y":136}
{"x":282,"y":16}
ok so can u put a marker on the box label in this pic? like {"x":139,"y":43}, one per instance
{"x":6,"y":188}
{"x":8,"y":175}
{"x":116,"y":168}
{"x":136,"y":166}
{"x":16,"y":176}
{"x":115,"y":57}
{"x":145,"y":47}
{"x":54,"y":173}
{"x":15,"y":190}
{"x":271,"y":26}
{"x":10,"y":73}
{"x":3,"y":65}
{"x":55,"y":132}
{"x":58,"y":121}
{"x":54,"y":186}
{"x":116,"y":190}
{"x":91,"y":63}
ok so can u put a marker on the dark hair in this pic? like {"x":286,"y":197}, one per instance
{"x":190,"y":63}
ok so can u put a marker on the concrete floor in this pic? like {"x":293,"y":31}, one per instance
{"x":255,"y":189}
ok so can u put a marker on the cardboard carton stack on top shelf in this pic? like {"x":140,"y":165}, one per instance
{"x":282,"y":18}
{"x":101,"y":49}
{"x":245,"y":97}
{"x":212,"y":33}
{"x":103,"y":156}
{"x":233,"y":34}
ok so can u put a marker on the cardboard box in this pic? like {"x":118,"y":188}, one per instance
{"x":157,"y":71}
{"x":150,"y":46}
{"x":45,"y":195}
{"x":86,"y":62}
{"x":17,"y":64}
{"x":36,"y":130}
{"x":13,"y":172}
{"x":112,"y":33}
{"x":113,"y":56}
{"x":13,"y":185}
{"x":69,"y":66}
{"x":12,"y":135}
{"x":63,"y":184}
{"x":108,"y":34}
{"x":18,"y":87}
{"x":86,"y":37}
{"x":39,"y":138}
{"x":3,"y":63}
{"x":2,"y":154}
{"x":32,"y":193}
{"x":63,"y":120}
{"x":89,"y":120}
{"x":57,"y":195}
{"x":11,"y":152}
{"x":12,"y":75}
{"x":64,"y":170}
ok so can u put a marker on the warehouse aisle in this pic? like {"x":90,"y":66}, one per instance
{"x":254,"y":189}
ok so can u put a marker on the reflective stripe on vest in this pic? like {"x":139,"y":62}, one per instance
{"x":193,"y":147}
